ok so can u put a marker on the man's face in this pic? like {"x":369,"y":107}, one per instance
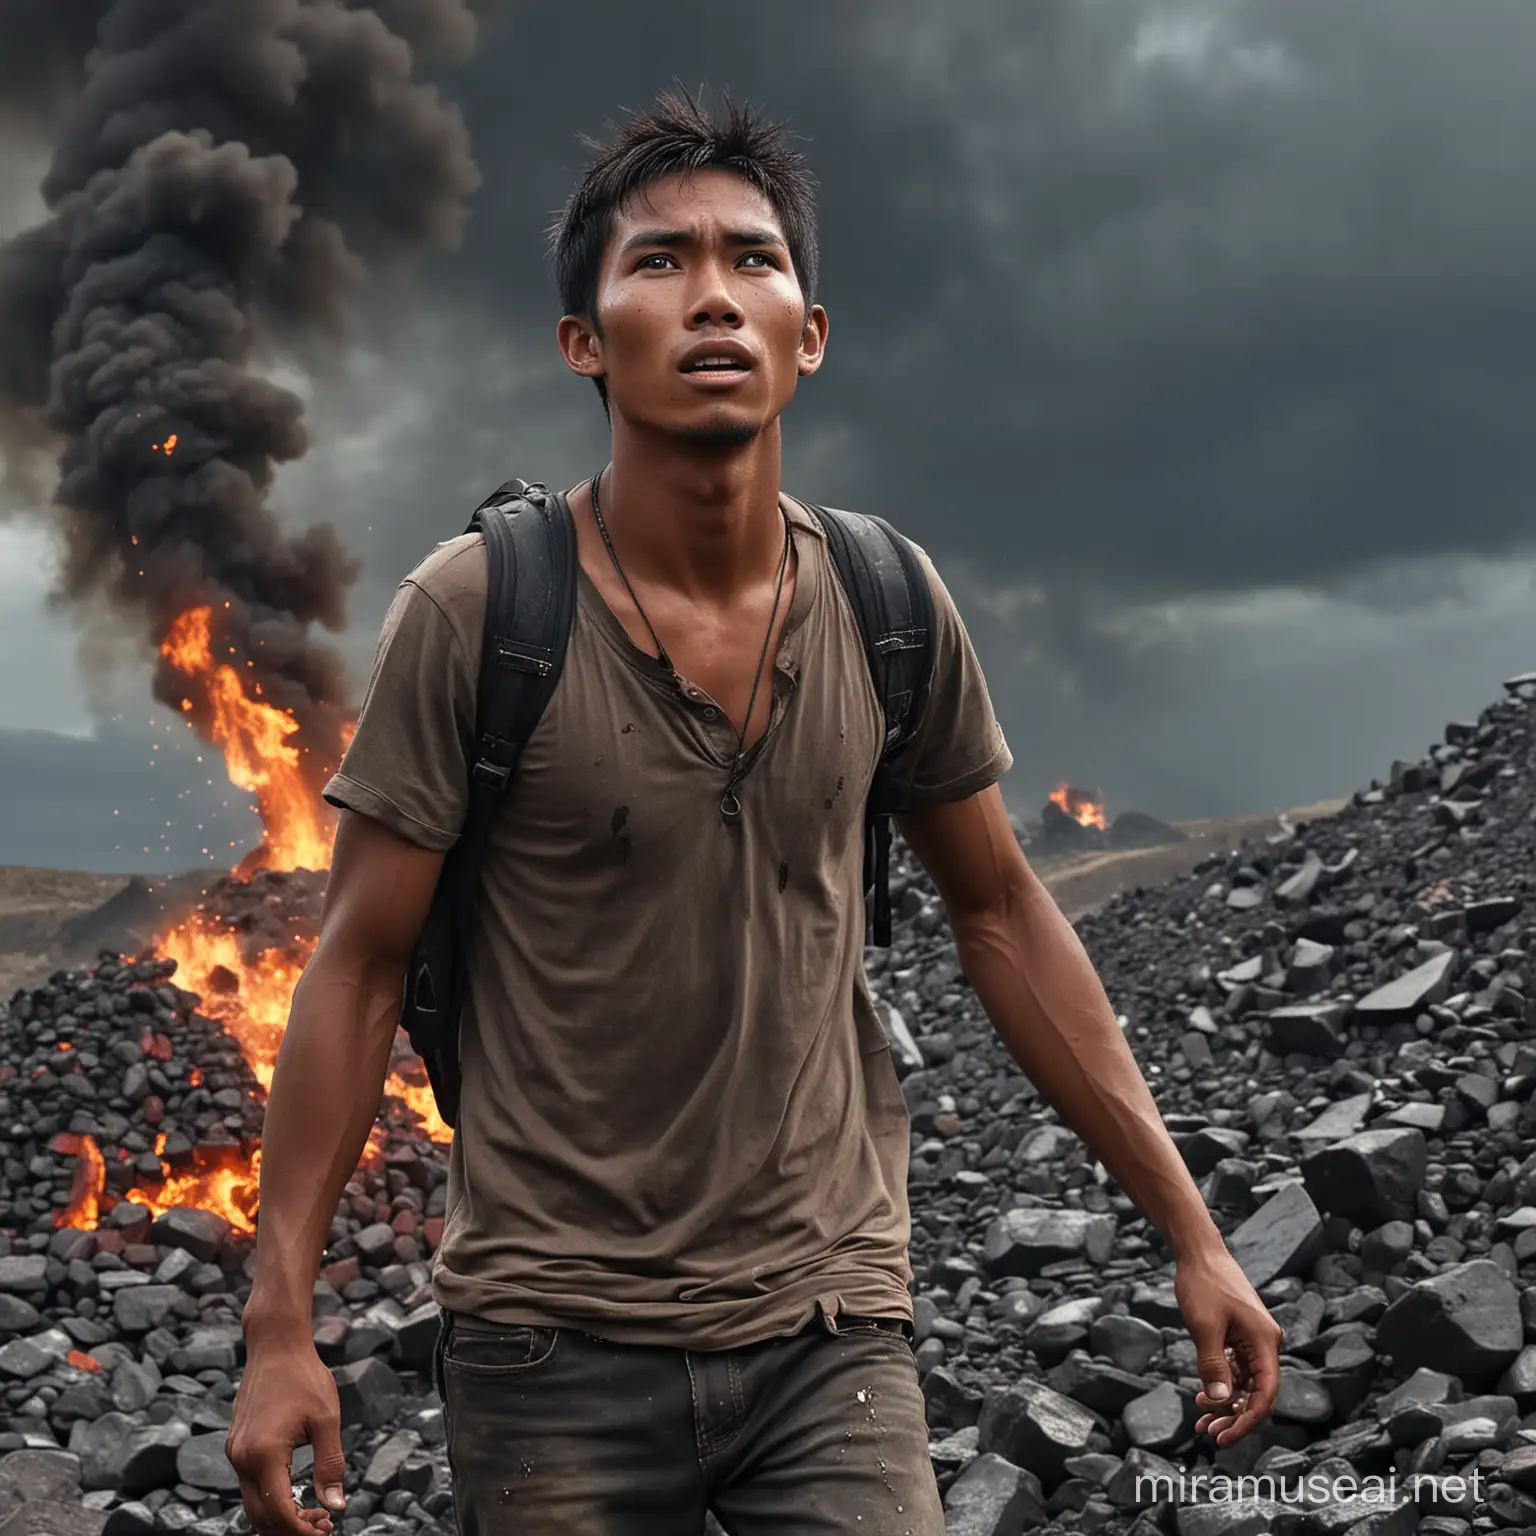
{"x":704,"y":331}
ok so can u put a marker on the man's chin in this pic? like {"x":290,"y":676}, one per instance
{"x":719,"y":433}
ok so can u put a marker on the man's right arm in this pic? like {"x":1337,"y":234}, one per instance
{"x":325,"y":1095}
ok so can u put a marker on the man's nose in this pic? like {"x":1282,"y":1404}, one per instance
{"x":715,"y":304}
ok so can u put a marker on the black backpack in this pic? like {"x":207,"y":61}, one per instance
{"x":531,"y":603}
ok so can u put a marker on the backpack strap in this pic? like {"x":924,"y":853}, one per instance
{"x":891,"y":599}
{"x":530,"y":548}
{"x":530,"y":545}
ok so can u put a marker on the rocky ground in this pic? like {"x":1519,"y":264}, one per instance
{"x":1335,"y":1019}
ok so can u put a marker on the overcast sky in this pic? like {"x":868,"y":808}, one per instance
{"x":1196,"y":342}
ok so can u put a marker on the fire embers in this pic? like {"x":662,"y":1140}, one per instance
{"x":139,"y":1100}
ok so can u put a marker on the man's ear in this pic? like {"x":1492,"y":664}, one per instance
{"x":581,"y":345}
{"x":813,"y":341}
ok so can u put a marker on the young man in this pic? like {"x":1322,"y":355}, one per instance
{"x":675,"y":1261}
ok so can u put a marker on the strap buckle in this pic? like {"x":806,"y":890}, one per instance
{"x":494,"y":774}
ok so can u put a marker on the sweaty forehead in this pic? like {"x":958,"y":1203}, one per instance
{"x":694,"y":200}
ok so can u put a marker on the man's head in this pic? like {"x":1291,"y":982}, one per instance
{"x":687,"y":231}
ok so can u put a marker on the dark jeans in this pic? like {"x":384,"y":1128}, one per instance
{"x":553,"y":1432}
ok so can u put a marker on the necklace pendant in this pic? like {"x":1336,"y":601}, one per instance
{"x":730,"y":808}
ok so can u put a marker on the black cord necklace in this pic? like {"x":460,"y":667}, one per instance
{"x":730,"y":802}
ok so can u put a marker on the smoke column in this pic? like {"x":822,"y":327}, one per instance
{"x":223,"y":172}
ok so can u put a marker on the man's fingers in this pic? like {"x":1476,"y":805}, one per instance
{"x":1263,"y":1363}
{"x":1213,"y":1364}
{"x":330,"y":1464}
{"x":267,"y":1494}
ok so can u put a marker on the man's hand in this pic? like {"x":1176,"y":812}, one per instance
{"x":1237,"y":1340}
{"x":287,"y":1398}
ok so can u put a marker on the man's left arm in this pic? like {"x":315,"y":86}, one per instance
{"x":1034,"y":979}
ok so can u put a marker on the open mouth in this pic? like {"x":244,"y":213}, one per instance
{"x":716,"y":366}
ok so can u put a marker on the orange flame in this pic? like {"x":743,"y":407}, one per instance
{"x":251,"y":998}
{"x":87,"y":1183}
{"x":1084,"y":808}
{"x":227,"y":1189}
{"x":421,"y":1104}
{"x":251,"y":1001}
{"x":257,"y":754}
{"x":230,"y":1191}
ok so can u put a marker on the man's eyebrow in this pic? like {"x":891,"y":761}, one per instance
{"x":677,"y":237}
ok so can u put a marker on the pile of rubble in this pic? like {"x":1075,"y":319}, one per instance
{"x":1334,"y":1023}
{"x":136,"y":1120}
{"x":1336,"y":1026}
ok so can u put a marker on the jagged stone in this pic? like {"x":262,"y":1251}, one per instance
{"x":1465,"y":1322}
{"x":1031,"y":1425}
{"x":369,"y":1392}
{"x":1410,"y":993}
{"x":1283,"y":1237}
{"x":1370,"y":1177}
{"x":1023,"y":1241}
{"x":993,"y":1497}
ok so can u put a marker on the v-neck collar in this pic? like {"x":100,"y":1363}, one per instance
{"x":807,"y":533}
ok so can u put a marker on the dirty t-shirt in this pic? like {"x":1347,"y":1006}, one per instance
{"x":680,"y":1123}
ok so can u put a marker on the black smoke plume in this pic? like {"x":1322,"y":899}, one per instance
{"x":223,"y":172}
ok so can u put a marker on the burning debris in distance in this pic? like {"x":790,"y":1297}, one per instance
{"x":1084,"y":806}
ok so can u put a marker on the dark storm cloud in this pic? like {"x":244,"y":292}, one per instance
{"x":1136,"y":310}
{"x":1166,"y":298}
{"x":1139,"y":312}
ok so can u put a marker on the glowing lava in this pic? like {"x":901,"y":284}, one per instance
{"x":1084,"y":807}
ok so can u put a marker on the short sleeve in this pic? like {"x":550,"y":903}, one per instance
{"x":407,"y":763}
{"x":959,"y":748}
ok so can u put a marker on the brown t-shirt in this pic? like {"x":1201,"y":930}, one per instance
{"x":681,"y":1123}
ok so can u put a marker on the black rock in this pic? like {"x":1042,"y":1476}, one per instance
{"x":1310,"y":1028}
{"x":1465,"y":1322}
{"x":1410,"y":993}
{"x":1025,"y":1240}
{"x":1161,"y":1419}
{"x":1283,"y":1237}
{"x":139,"y":1308}
{"x":951,"y":1403}
{"x":53,"y":1518}
{"x":1104,"y":1389}
{"x":200,"y":1233}
{"x":150,"y":1460}
{"x":130,"y":1519}
{"x":993,"y":1497}
{"x":1031,"y":1425}
{"x":370,"y":1393}
{"x":1370,"y":1177}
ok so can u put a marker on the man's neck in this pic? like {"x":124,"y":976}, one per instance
{"x":705,"y":522}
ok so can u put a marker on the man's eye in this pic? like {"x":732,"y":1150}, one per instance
{"x":659,"y":256}
{"x":772,"y":262}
